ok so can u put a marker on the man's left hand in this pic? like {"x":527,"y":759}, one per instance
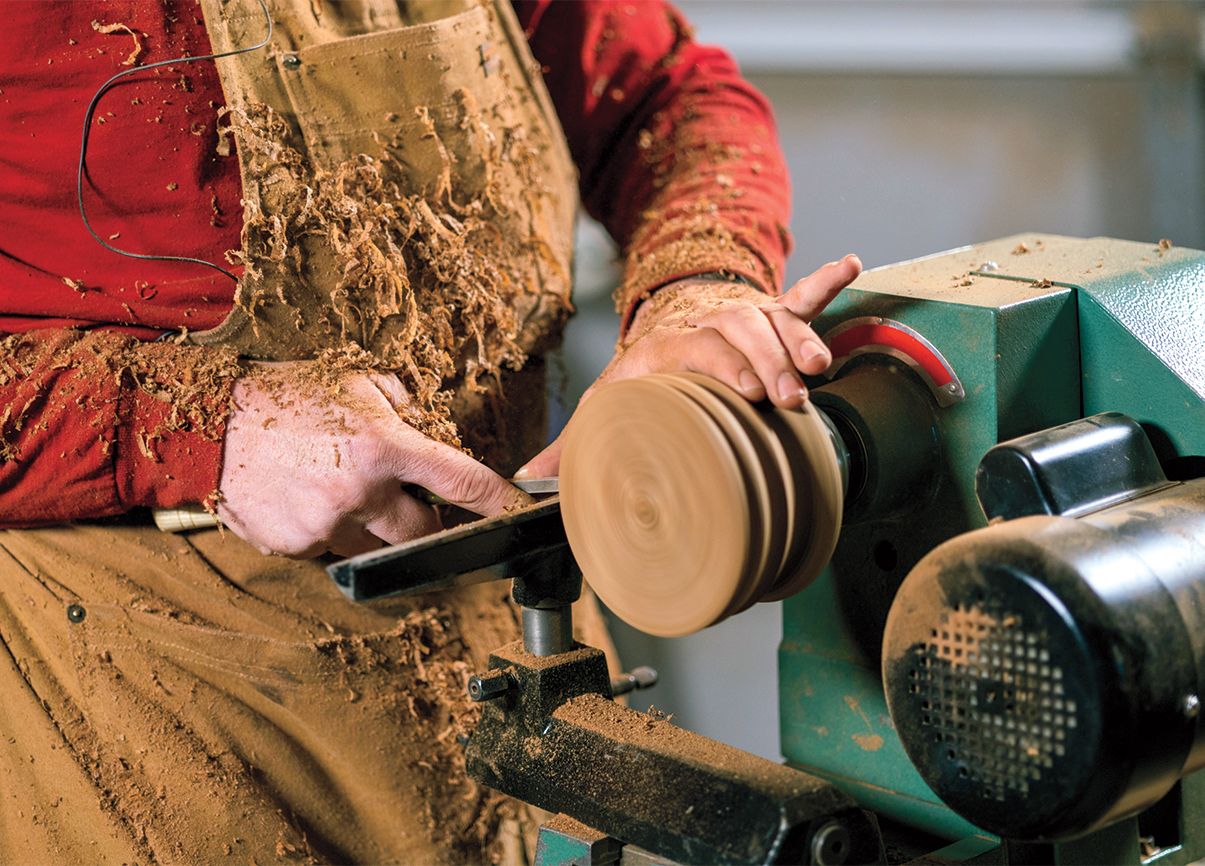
{"x":756,"y":344}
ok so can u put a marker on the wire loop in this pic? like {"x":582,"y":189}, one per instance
{"x":83,"y":152}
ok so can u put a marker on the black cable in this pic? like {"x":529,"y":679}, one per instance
{"x":83,"y":151}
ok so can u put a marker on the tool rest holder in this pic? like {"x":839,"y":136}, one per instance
{"x":551,"y":734}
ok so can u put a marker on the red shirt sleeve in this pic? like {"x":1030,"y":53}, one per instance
{"x":95,"y":423}
{"x":678,"y":155}
{"x":84,"y":428}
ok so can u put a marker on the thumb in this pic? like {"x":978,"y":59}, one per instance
{"x":545,"y":464}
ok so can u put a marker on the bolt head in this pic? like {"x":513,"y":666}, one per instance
{"x":76,"y":612}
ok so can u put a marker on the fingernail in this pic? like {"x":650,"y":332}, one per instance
{"x":523,"y":474}
{"x":810,"y":350}
{"x":852,"y":257}
{"x":789,"y":387}
{"x":748,"y":382}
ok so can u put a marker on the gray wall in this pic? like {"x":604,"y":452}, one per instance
{"x":912,"y":127}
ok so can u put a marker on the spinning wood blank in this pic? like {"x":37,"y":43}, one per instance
{"x":684,"y":504}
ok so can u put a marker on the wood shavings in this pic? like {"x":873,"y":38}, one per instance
{"x":75,"y":285}
{"x":118,"y":27}
{"x":194,"y":382}
{"x":424,"y":283}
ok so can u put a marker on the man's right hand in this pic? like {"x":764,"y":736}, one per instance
{"x":304,"y":473}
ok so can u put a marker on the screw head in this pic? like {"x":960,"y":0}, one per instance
{"x":76,"y":612}
{"x":291,"y":61}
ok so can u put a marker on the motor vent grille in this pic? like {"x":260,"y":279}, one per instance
{"x":993,"y":701}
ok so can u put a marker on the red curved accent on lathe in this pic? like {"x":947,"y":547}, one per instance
{"x":862,"y":336}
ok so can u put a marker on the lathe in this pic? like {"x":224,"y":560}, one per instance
{"x":989,"y":531}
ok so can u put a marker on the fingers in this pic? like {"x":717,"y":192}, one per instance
{"x":706,"y":351}
{"x":808,"y":297}
{"x":456,"y":476}
{"x":402,"y":519}
{"x":392,"y":389}
{"x":748,"y":330}
{"x":807,"y":350}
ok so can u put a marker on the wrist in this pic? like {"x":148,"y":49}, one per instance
{"x":690,"y":295}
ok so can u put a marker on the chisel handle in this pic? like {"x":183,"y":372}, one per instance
{"x":189,"y":517}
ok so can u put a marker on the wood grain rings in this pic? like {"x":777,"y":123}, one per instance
{"x":685,"y":504}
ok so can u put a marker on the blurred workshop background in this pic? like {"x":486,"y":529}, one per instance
{"x":914,"y":126}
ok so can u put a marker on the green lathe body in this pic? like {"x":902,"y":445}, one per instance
{"x":1040,"y":330}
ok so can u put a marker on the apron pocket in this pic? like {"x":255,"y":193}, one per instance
{"x":353,"y":95}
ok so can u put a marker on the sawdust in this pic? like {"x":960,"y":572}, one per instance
{"x":419,"y":276}
{"x":195,"y":383}
{"x":425,"y":677}
{"x":118,"y":27}
{"x":697,"y":239}
{"x":686,"y":301}
{"x":225,"y":708}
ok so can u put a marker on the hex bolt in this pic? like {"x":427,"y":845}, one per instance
{"x":490,"y":686}
{"x":830,"y":844}
{"x":76,"y":612}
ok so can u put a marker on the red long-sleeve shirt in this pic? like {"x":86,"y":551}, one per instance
{"x":676,"y":153}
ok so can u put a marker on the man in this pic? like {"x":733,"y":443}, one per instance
{"x":392,"y":181}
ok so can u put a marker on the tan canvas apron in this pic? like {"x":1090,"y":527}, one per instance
{"x":449,"y":94}
{"x":186,"y":700}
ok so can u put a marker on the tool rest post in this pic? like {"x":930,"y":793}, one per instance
{"x":546,"y":592}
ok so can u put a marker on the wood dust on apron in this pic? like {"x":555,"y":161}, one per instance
{"x":409,"y":203}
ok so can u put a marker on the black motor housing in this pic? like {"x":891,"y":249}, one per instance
{"x":1045,"y":674}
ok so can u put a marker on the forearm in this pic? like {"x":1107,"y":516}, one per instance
{"x":677,"y":152}
{"x":95,"y":423}
{"x":719,"y":200}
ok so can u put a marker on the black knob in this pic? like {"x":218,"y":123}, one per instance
{"x":642,"y":677}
